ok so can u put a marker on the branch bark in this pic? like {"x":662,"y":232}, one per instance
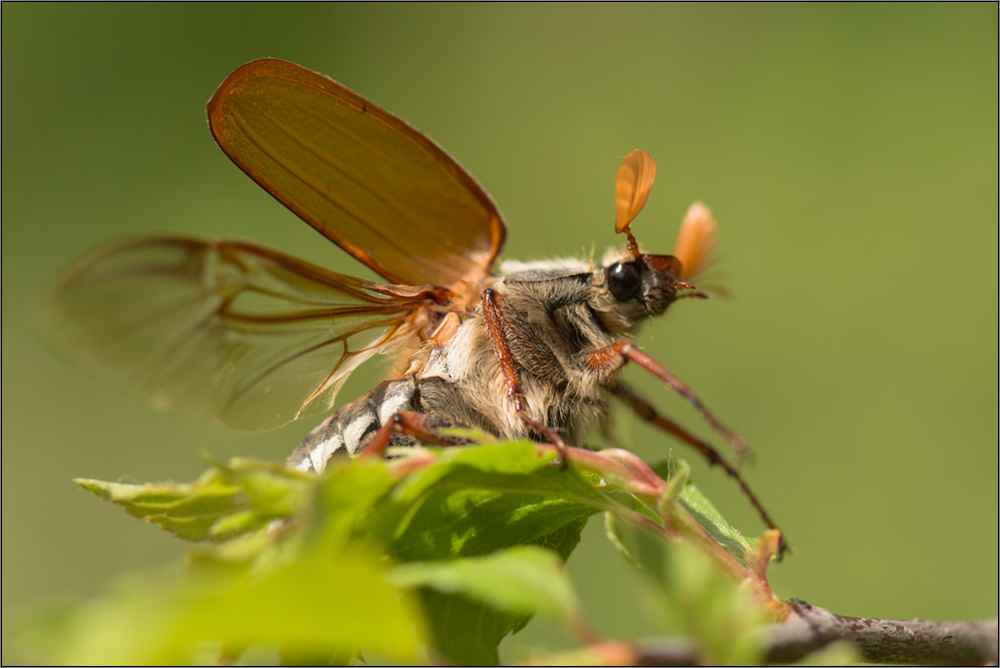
{"x":810,"y":628}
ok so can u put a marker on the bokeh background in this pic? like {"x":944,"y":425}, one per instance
{"x":849,"y":154}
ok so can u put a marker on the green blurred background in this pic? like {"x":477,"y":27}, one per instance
{"x":849,"y":154}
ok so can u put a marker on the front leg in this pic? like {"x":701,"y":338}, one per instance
{"x":610,"y":359}
{"x":644,"y":409}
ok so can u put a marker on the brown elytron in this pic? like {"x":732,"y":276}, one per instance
{"x":257,"y":338}
{"x":363,"y":178}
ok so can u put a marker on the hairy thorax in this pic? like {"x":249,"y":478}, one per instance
{"x":552,"y":329}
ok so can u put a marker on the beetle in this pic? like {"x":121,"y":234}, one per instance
{"x":258,"y":338}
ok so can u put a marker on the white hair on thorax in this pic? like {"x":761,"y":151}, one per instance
{"x":557,"y":264}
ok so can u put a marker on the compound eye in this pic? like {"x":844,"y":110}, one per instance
{"x":624,"y":280}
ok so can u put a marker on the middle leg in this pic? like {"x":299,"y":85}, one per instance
{"x":501,"y":326}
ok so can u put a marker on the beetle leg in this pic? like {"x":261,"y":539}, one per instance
{"x":613,"y":357}
{"x":644,"y":409}
{"x":500,"y":327}
{"x":418,"y":425}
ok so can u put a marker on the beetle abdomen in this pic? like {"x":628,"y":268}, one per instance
{"x":346,"y":431}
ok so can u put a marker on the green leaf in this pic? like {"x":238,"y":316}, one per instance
{"x":187,"y":510}
{"x":473,"y":603}
{"x":224,"y":502}
{"x":523,"y":579}
{"x":317,"y":593}
{"x":641,"y":548}
{"x":478,"y":500}
{"x":314,"y":584}
{"x":315,"y":606}
{"x":703,"y":511}
{"x":273,"y":490}
{"x":467,"y":632}
{"x":690,"y":596}
{"x":722,"y":531}
{"x":350,"y":491}
{"x":475,"y":501}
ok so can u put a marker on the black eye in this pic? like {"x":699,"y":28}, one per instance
{"x":624,"y":280}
